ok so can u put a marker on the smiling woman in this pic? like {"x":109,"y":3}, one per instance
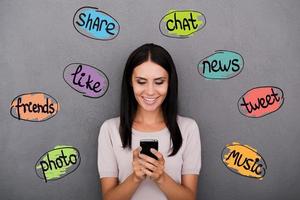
{"x":149,"y":112}
{"x":150,"y":85}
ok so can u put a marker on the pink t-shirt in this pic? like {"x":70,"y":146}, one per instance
{"x":114,"y":161}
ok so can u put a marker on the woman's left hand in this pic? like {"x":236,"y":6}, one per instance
{"x":154,"y":168}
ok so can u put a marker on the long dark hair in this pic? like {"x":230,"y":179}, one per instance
{"x":160,"y":56}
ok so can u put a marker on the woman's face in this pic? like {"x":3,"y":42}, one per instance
{"x":150,"y":85}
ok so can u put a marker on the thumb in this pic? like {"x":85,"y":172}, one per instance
{"x":136,"y":152}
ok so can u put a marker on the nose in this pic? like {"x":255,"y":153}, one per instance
{"x":150,"y":89}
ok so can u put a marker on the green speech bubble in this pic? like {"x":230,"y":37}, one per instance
{"x":182,"y":23}
{"x":57,"y":163}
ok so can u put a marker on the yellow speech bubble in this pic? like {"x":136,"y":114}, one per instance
{"x":244,"y":160}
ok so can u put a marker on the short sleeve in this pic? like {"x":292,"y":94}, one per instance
{"x":192,"y":151}
{"x":107,"y":163}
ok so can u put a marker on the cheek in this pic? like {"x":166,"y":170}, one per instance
{"x":163,"y":90}
{"x":137,"y":89}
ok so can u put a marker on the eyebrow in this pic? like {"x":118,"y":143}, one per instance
{"x":159,"y":78}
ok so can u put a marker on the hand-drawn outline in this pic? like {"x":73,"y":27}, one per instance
{"x":91,"y":7}
{"x":30,"y":93}
{"x":282,"y":102}
{"x":219,"y":51}
{"x":90,"y":67}
{"x":182,"y":37}
{"x":46,"y":180}
{"x":245,"y":146}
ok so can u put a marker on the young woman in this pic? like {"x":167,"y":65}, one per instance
{"x":149,"y":111}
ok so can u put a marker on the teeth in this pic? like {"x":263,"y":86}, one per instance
{"x":149,"y":100}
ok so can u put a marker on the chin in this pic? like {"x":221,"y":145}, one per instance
{"x":150,"y":108}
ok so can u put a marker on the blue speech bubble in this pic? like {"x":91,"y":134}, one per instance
{"x":221,"y":65}
{"x":95,"y":24}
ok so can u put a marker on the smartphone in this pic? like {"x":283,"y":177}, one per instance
{"x":146,"y":145}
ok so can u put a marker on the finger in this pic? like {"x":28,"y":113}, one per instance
{"x":139,"y":171}
{"x":148,"y":172}
{"x":136,"y":152}
{"x":147,"y":165}
{"x":157,"y":154}
{"x":149,"y":159}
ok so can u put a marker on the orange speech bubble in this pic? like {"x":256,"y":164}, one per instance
{"x":35,"y":107}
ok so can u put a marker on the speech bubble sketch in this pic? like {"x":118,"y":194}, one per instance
{"x":34,"y":107}
{"x":244,"y":160}
{"x":261,"y":101}
{"x":95,"y":24}
{"x":181,"y":23}
{"x":86,"y":79}
{"x":222,"y":64}
{"x":57,"y":163}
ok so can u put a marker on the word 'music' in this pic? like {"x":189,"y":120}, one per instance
{"x":248,"y":163}
{"x":244,"y":160}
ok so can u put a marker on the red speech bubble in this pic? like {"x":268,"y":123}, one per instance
{"x":261,"y":101}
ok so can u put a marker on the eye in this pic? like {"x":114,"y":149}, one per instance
{"x":159,"y":82}
{"x":141,"y":82}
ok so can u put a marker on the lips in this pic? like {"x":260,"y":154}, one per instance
{"x":149,"y":101}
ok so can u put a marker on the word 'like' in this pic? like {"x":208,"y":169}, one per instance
{"x":86,"y":79}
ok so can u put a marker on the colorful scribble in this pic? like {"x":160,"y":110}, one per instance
{"x":244,"y":160}
{"x":181,"y":23}
{"x":95,"y":24}
{"x":222,"y":64}
{"x":261,"y":101}
{"x":57,"y":163}
{"x":88,"y":80}
{"x":35,"y":107}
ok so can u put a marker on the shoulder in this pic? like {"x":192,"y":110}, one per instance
{"x":187,"y":125}
{"x":110,"y":126}
{"x":184,"y":122}
{"x":112,"y":122}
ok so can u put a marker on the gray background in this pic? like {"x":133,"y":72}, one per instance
{"x":37,"y":40}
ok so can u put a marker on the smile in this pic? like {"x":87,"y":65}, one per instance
{"x":149,"y":101}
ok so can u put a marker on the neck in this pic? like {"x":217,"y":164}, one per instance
{"x":146,"y":117}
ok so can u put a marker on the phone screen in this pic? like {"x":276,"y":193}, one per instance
{"x":147,"y":145}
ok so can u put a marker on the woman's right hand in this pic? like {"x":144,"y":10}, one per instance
{"x":138,"y":169}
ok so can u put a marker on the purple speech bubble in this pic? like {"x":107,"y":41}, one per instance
{"x":85,"y":79}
